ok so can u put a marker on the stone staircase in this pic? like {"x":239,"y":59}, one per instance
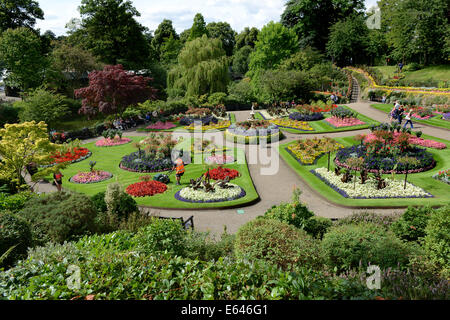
{"x":355,"y":91}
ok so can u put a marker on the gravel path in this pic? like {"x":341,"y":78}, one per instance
{"x":273,"y":189}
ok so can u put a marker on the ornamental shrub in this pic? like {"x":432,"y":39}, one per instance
{"x":200,"y":245}
{"x":162,"y":235}
{"x":296,"y":214}
{"x":350,"y":246}
{"x":14,"y":202}
{"x":14,"y":231}
{"x":8,"y":114}
{"x":411,"y":225}
{"x":437,"y":238}
{"x":383,"y":221}
{"x":60,"y":216}
{"x":317,"y":226}
{"x":277,"y":243}
{"x":124,"y":207}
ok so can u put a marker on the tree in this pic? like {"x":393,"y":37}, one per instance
{"x":202,"y":69}
{"x":70,"y":65}
{"x":20,"y":52}
{"x":169,"y":51}
{"x":304,"y":60}
{"x":163,"y":33}
{"x":275,"y":43}
{"x":21,"y":144}
{"x":198,"y":28}
{"x":247,"y":37}
{"x":348,"y":41}
{"x":42,"y":105}
{"x":109,"y":30}
{"x":19,"y":13}
{"x":311,"y":19}
{"x":112,"y":90}
{"x":241,"y":60}
{"x":224,"y":32}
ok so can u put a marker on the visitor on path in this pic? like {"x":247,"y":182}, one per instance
{"x":179,"y":169}
{"x":400,"y":66}
{"x":57,"y":178}
{"x":400,"y":112}
{"x":394,"y":112}
{"x":408,"y":118}
{"x":383,"y":99}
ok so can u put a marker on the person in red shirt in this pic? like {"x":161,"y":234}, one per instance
{"x":57,"y":178}
{"x":179,"y":167}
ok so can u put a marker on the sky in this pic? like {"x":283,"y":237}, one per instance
{"x":238,"y":13}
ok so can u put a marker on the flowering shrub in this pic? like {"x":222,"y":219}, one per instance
{"x":91,"y":177}
{"x":146,"y":188}
{"x":309,"y":150}
{"x":75,"y":155}
{"x":221,"y":173}
{"x":443,"y":176}
{"x":318,"y":106}
{"x":219,"y":195}
{"x":394,"y":188}
{"x":219,"y":159}
{"x":161,"y":126}
{"x":297,"y":116}
{"x":446,"y":116}
{"x":292,"y":124}
{"x":344,"y":122}
{"x":108,"y":142}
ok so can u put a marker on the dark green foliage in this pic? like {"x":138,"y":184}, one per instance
{"x":437,"y":239}
{"x":350,"y":246}
{"x":198,"y":28}
{"x":241,"y":60}
{"x":60,"y":217}
{"x":411,"y":225}
{"x":296,"y":214}
{"x":317,"y":226}
{"x":19,"y":13}
{"x":224,"y":32}
{"x":14,"y":202}
{"x":162,"y":235}
{"x":8,"y":114}
{"x":126,"y":204}
{"x":278,"y":243}
{"x":98,"y":200}
{"x":14,"y":232}
{"x":200,"y":246}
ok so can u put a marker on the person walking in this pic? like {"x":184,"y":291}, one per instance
{"x":408,"y":118}
{"x":57,"y":178}
{"x":400,"y":112}
{"x":179,"y":169}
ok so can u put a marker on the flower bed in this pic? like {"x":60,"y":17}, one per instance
{"x":413,"y":140}
{"x":292,"y":124}
{"x":221,"y":173}
{"x":394,"y":188}
{"x":213,"y":126}
{"x":446,"y":116}
{"x":220,"y":195}
{"x":253,"y":131}
{"x":419,"y":117}
{"x":144,"y":163}
{"x":344,"y":122}
{"x":146,"y":188}
{"x":254,"y":139}
{"x":112,"y":142}
{"x":308,"y":151}
{"x":443,"y":176}
{"x":161,"y":126}
{"x":315,"y":116}
{"x":76,"y":155}
{"x":219,"y":159}
{"x":91,"y":177}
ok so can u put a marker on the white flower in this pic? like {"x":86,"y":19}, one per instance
{"x":219,"y":194}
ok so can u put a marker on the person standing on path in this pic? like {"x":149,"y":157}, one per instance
{"x":57,"y":178}
{"x":179,"y":169}
{"x":408,"y":119}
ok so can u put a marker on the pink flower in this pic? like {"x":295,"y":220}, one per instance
{"x":161,"y":126}
{"x":112,"y":142}
{"x":346,"y":122}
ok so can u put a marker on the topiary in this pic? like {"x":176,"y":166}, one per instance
{"x":15,"y":233}
{"x":60,"y":216}
{"x":350,"y":246}
{"x":411,"y":225}
{"x":162,"y":235}
{"x":277,"y":243}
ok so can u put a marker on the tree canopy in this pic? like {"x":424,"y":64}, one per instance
{"x":247,"y":37}
{"x":224,"y":32}
{"x":163,"y":33}
{"x":19,"y":13}
{"x":198,"y":28}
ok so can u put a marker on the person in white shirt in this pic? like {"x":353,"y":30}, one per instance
{"x":408,"y":119}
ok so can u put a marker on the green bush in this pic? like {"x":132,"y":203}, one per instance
{"x":60,"y":216}
{"x":296,"y":214}
{"x":437,"y":238}
{"x":383,"y":221}
{"x":411,"y":225}
{"x":318,"y":226}
{"x":98,"y":200}
{"x":8,"y":114}
{"x":278,"y":243}
{"x":350,"y":246}
{"x":14,"y":232}
{"x":217,"y":98}
{"x":118,"y":202}
{"x":200,"y":245}
{"x":14,"y":202}
{"x":162,"y":235}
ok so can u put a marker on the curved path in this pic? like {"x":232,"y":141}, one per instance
{"x":273,"y":189}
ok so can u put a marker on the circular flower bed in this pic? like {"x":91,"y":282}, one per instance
{"x":219,"y":159}
{"x":253,"y":131}
{"x":161,"y":126}
{"x":443,"y":175}
{"x":221,"y":173}
{"x":385,"y":163}
{"x":146,"y":188}
{"x":76,"y":155}
{"x":112,"y":142}
{"x":297,"y":116}
{"x":201,"y":196}
{"x":91,"y":177}
{"x":141,"y":162}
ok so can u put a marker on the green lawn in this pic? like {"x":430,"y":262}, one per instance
{"x":77,"y":123}
{"x":324,"y":127}
{"x":439,"y":189}
{"x":438,"y":73}
{"x":108,"y":159}
{"x":436,"y":121}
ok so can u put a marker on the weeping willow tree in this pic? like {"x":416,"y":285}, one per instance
{"x":202,"y":69}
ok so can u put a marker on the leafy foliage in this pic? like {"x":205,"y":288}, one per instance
{"x":437,"y":238}
{"x":411,"y":225}
{"x":14,"y":232}
{"x":19,"y":13}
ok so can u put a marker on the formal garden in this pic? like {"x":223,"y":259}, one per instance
{"x":112,"y":134}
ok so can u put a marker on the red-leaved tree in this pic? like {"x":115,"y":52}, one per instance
{"x":112,"y":90}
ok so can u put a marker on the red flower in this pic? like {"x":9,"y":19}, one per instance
{"x":221,"y":173}
{"x":146,"y":188}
